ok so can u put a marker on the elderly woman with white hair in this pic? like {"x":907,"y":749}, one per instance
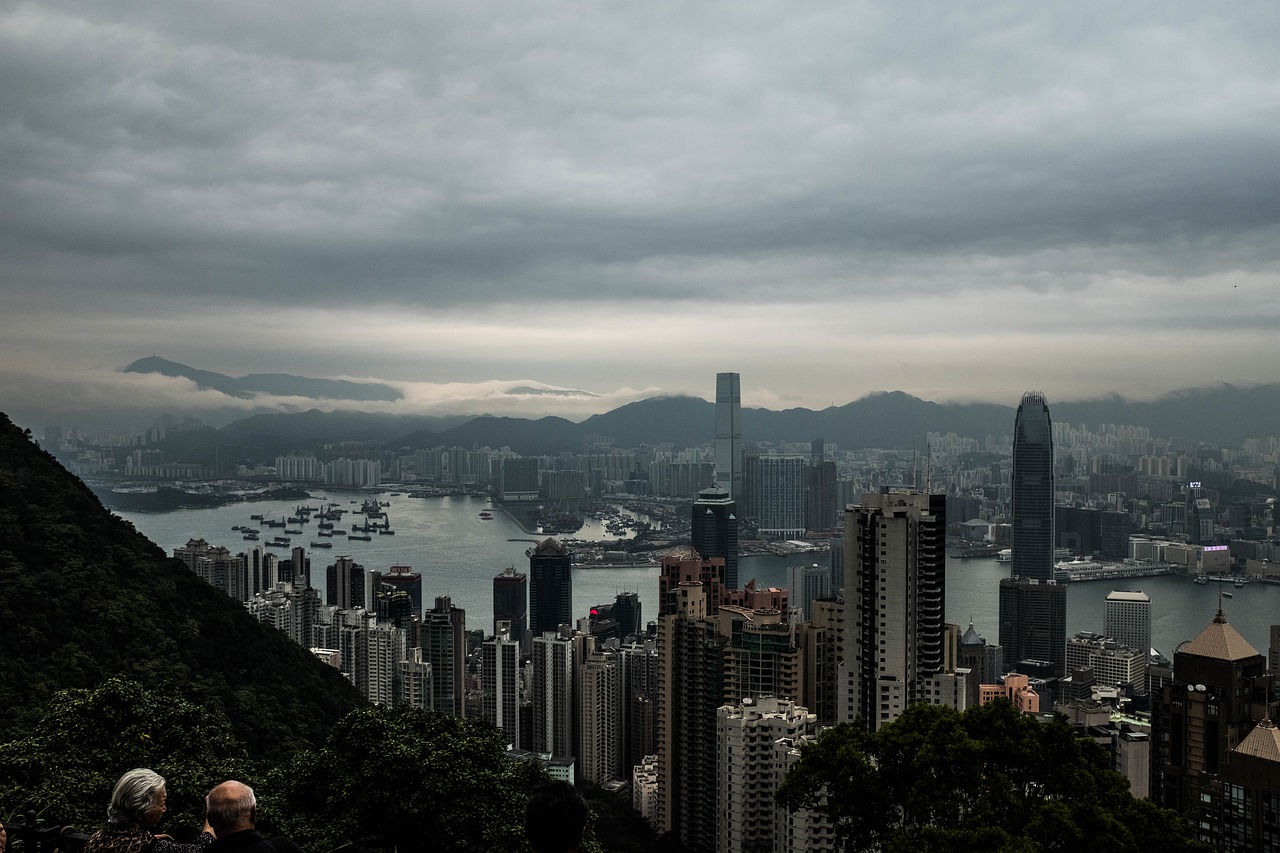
{"x":137,"y":804}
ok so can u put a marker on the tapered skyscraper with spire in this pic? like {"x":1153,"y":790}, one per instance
{"x":1033,"y":489}
{"x":1033,"y":609}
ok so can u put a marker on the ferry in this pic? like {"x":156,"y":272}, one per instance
{"x":1005,"y":556}
{"x":1200,"y":580}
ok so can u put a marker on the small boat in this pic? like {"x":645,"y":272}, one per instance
{"x":1239,"y":584}
{"x":486,"y":515}
{"x":1227,"y":595}
{"x":1200,"y":580}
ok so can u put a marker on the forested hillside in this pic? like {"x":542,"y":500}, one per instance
{"x":84,"y":596}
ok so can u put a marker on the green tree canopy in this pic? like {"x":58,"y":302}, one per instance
{"x":406,"y":778}
{"x":987,"y":779}
{"x":65,"y":766}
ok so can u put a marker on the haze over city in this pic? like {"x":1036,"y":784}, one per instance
{"x":458,"y":200}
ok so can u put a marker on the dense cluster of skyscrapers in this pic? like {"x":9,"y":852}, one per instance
{"x":701,"y":711}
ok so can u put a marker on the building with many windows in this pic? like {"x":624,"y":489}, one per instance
{"x":729,"y":434}
{"x":779,"y":488}
{"x":895,"y":563}
{"x":550,"y":587}
{"x":714,"y":530}
{"x":748,"y":771}
{"x":1220,"y":692}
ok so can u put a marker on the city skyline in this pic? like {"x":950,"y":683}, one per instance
{"x":417,"y":196}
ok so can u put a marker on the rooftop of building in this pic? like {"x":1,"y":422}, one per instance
{"x":1128,"y":595}
{"x":1219,"y":641}
{"x":1263,"y":742}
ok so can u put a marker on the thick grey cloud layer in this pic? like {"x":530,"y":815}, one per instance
{"x":542,"y":189}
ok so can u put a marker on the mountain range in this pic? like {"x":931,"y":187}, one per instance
{"x":1224,"y":415}
{"x":276,"y":384}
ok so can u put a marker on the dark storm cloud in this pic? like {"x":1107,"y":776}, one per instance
{"x":470,"y":193}
{"x":556,"y":149}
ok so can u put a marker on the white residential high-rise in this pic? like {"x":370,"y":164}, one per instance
{"x":729,"y":434}
{"x":385,"y":649}
{"x":747,"y":770}
{"x":501,"y":683}
{"x":644,"y":788}
{"x":415,"y":681}
{"x":804,"y":830}
{"x":600,"y":710}
{"x":895,"y":586}
{"x":552,"y":688}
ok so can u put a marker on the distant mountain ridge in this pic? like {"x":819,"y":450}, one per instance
{"x":1223,"y":415}
{"x":278,"y":384}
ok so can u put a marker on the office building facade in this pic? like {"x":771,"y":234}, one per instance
{"x":511,"y":604}
{"x":714,"y":530}
{"x":550,"y":587}
{"x":1033,"y":623}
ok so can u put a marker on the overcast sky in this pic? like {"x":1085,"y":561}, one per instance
{"x":961,"y":201}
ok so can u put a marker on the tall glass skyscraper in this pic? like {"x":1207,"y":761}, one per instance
{"x":1033,"y":609}
{"x":1033,"y":490}
{"x":729,"y":434}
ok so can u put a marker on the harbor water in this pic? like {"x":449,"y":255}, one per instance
{"x":458,"y":552}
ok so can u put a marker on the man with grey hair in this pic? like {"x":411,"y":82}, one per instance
{"x":231,"y":810}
